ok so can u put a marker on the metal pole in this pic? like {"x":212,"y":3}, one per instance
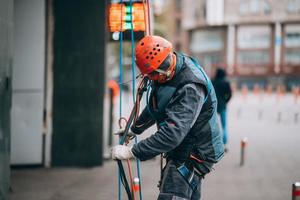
{"x":243,"y":147}
{"x":296,"y":191}
{"x":111,"y":118}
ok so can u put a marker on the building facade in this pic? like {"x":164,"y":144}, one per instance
{"x":53,"y":76}
{"x":257,"y":41}
{"x":6,"y":55}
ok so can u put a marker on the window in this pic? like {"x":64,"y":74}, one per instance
{"x":206,"y":40}
{"x":209,"y":47}
{"x":254,"y":37}
{"x":255,"y":7}
{"x":293,"y":6}
{"x":178,"y":5}
{"x":292,"y":44}
{"x":178,"y":26}
{"x":292,"y":56}
{"x":254,"y":46}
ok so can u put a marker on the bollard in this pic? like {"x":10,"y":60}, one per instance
{"x":111,"y":117}
{"x":243,"y":147}
{"x":296,"y":93}
{"x":279,"y":117}
{"x":296,"y":117}
{"x":296,"y":191}
{"x":136,"y":186}
{"x":244,"y":91}
{"x":256,"y":89}
{"x":269,"y":90}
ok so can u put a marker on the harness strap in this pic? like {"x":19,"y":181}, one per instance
{"x":188,"y":175}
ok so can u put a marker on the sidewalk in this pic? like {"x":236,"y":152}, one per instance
{"x":271,"y":166}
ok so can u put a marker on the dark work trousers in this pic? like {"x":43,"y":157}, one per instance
{"x":175,"y":187}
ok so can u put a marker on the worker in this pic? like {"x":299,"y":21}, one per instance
{"x":183,"y":104}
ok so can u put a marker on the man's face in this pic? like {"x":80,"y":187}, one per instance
{"x":154,"y":75}
{"x":161,"y":74}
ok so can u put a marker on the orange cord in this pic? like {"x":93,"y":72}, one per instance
{"x":130,"y":177}
{"x":138,"y":98}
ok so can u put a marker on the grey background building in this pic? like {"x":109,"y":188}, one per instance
{"x":255,"y":40}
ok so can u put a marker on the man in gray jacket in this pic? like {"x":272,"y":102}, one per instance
{"x":183,"y":104}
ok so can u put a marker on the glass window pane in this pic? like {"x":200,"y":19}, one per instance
{"x":253,"y":57}
{"x":254,"y":6}
{"x":292,"y":35}
{"x":292,"y":56}
{"x":293,"y":6}
{"x":243,"y":7}
{"x":206,"y":41}
{"x":211,"y":59}
{"x":250,"y":37}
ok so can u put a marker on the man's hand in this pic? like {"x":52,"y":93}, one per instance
{"x":130,"y":135}
{"x":121,"y":152}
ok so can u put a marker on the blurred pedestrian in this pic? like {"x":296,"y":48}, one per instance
{"x":223,"y":91}
{"x":183,"y":104}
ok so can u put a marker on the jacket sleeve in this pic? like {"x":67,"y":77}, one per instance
{"x":144,"y":121}
{"x":181,"y":114}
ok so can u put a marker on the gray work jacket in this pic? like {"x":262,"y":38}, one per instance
{"x":185,"y":111}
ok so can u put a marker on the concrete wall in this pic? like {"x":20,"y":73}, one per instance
{"x":28,"y":82}
{"x":6,"y":43}
{"x":79,"y":71}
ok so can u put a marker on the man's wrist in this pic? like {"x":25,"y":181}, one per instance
{"x":132,"y":150}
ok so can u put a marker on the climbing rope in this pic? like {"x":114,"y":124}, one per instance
{"x":121,"y":93}
{"x":133,"y":96}
{"x":136,"y":101}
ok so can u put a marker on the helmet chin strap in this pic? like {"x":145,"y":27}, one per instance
{"x":166,"y":73}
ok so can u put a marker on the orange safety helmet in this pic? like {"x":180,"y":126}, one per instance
{"x":150,"y":52}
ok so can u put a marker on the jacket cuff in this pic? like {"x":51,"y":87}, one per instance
{"x":135,"y":152}
{"x":135,"y":130}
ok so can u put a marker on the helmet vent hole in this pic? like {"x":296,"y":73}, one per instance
{"x":142,"y":43}
{"x":152,"y":57}
{"x":157,"y":45}
{"x":147,"y":57}
{"x":150,"y":53}
{"x":158,"y":61}
{"x":155,"y":54}
{"x":154,"y":49}
{"x":158,"y":50}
